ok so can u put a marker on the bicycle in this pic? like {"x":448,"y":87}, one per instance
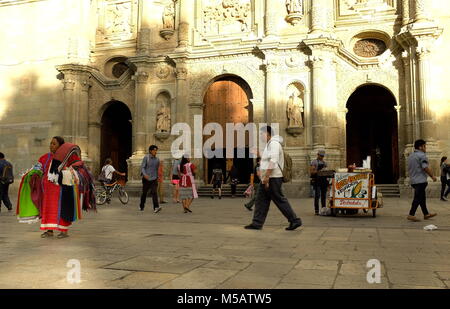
{"x":104,"y":194}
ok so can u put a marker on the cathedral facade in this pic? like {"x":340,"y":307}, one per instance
{"x":356,"y":78}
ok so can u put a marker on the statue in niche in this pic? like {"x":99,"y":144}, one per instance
{"x":294,"y":6}
{"x":295,"y":111}
{"x":163,"y":114}
{"x":169,"y":16}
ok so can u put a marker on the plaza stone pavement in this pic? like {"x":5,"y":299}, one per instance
{"x":120,"y":247}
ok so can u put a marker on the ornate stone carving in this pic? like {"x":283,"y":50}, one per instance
{"x":163,"y":113}
{"x":181,"y":73}
{"x":168,"y":20}
{"x":369,"y":48}
{"x":226,"y":16}
{"x":163,"y":71}
{"x":295,"y":11}
{"x":118,"y":18}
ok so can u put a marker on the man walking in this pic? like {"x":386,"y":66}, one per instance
{"x":419,"y":168}
{"x":272,"y":163}
{"x":6,"y":178}
{"x":320,"y":184}
{"x":149,"y":170}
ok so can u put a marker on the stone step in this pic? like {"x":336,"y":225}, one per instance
{"x":389,"y":190}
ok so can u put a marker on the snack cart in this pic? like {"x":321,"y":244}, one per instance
{"x":354,"y":191}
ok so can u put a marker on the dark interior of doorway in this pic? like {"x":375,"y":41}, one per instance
{"x":116,"y":139}
{"x":244,"y":166}
{"x":372,"y":130}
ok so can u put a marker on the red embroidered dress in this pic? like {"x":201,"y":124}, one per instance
{"x":51,"y":197}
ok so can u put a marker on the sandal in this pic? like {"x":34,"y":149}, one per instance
{"x":62,"y":235}
{"x":47,"y":234}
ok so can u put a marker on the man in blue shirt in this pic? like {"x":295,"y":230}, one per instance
{"x":419,"y":170}
{"x":149,"y":171}
{"x":6,"y":179}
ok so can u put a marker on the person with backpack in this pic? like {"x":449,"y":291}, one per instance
{"x":108,"y":171}
{"x":445,"y":179}
{"x":233,"y":175}
{"x":6,"y":178}
{"x":216,"y":181}
{"x":274,"y":172}
{"x":320,"y":184}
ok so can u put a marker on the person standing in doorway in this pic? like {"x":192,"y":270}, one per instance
{"x":188,"y":190}
{"x":6,"y":178}
{"x":419,"y":169}
{"x":320,"y":184}
{"x":256,"y":182}
{"x":161,"y":183}
{"x":233,"y":175}
{"x":149,"y":170}
{"x":216,"y":181}
{"x":270,"y":189}
{"x":445,"y":179}
{"x":176,"y":180}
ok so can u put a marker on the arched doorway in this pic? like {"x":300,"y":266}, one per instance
{"x":116,"y":135}
{"x":227,"y":100}
{"x":372,"y":130}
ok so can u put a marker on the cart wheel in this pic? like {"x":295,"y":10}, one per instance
{"x":334,"y":212}
{"x":374,"y":213}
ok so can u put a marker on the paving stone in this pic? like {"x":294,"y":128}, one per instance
{"x":358,"y":282}
{"x":318,"y":265}
{"x":142,"y":280}
{"x":417,"y":278}
{"x":305,"y":276}
{"x":200,"y":278}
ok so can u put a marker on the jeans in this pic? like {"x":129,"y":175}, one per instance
{"x":273,"y":193}
{"x":420,"y":199}
{"x":4,"y":197}
{"x":320,"y":193}
{"x":151,"y":186}
{"x":445,"y":182}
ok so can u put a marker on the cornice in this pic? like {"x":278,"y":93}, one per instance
{"x":17,"y":2}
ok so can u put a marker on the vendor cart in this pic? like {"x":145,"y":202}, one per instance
{"x":354,"y":191}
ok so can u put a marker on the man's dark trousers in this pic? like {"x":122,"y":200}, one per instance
{"x":151,"y":186}
{"x":420,"y":199}
{"x":320,"y":193}
{"x":273,"y":193}
{"x":4,"y":196}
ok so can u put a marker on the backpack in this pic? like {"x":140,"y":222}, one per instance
{"x":7,"y":176}
{"x":102,"y":176}
{"x":287,"y":169}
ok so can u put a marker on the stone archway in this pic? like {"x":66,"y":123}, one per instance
{"x":372,"y":130}
{"x":228,"y":100}
{"x":116,"y":135}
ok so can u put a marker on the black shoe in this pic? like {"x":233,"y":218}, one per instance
{"x":220,"y":197}
{"x":444,"y":199}
{"x":249,"y":208}
{"x":212,"y":197}
{"x":253,"y":227}
{"x":293,"y":226}
{"x":141,"y":208}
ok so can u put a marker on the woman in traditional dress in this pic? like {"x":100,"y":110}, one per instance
{"x":66,"y":187}
{"x":188,"y":190}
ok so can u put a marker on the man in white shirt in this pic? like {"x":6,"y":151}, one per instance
{"x":109,"y":171}
{"x":272,"y":163}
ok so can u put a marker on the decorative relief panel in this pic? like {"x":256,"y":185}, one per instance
{"x":360,"y":8}
{"x":226,"y":16}
{"x":369,"y":48}
{"x":117,"y":20}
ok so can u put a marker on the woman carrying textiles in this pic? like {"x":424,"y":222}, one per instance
{"x":64,"y":187}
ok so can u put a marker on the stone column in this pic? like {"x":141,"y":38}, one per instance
{"x":321,"y":15}
{"x":94,"y":146}
{"x":83,"y":117}
{"x":409,"y":126}
{"x":270,"y":18}
{"x":139,"y":134}
{"x":186,"y":18}
{"x":272,"y":91}
{"x":421,"y":13}
{"x":143,"y":42}
{"x":318,"y":99}
{"x":68,"y":94}
{"x":182,"y":93}
{"x":405,"y":12}
{"x":426,"y":119}
{"x":196,"y":109}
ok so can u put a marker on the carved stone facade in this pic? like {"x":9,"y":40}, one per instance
{"x":300,"y":60}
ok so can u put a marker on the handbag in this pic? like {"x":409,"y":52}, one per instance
{"x":249,"y":191}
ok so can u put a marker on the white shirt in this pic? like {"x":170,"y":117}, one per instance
{"x":109,"y":171}
{"x":273,"y":153}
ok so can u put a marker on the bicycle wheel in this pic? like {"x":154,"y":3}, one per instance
{"x":123,"y":196}
{"x":100,"y":196}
